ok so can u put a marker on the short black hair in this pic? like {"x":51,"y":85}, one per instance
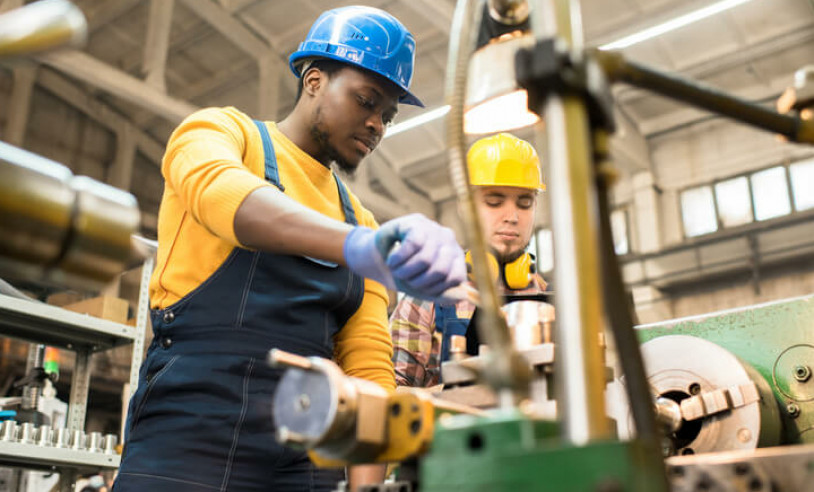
{"x":326,"y":65}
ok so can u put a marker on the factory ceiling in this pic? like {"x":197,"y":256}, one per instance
{"x":107,"y":109}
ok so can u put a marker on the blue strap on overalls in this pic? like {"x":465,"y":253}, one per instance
{"x":448,"y":323}
{"x":273,"y":176}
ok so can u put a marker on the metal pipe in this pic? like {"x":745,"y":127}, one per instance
{"x":41,"y":26}
{"x":580,"y":370}
{"x":61,"y":228}
{"x":508,"y":373}
{"x":620,"y":317}
{"x":618,"y":69}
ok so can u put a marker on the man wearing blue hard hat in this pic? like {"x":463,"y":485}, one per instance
{"x":262,"y":246}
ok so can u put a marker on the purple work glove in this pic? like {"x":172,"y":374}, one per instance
{"x":427,"y":261}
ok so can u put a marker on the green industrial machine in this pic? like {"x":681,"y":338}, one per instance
{"x":776,"y":340}
{"x":509,"y":451}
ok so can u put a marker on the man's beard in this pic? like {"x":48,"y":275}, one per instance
{"x":322,"y":138}
{"x":506,"y":258}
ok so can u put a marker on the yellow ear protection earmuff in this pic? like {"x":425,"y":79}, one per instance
{"x":516,"y":275}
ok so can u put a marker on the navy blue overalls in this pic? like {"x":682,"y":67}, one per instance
{"x":201,"y":417}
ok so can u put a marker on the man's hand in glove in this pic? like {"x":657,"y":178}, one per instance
{"x":412,"y":254}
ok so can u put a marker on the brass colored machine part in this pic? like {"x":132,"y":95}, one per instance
{"x":344,"y":420}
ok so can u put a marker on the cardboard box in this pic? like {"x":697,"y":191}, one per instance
{"x":105,"y":307}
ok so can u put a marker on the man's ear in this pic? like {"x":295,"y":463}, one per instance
{"x":313,"y":79}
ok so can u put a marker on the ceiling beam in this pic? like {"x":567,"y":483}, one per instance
{"x":86,"y":68}
{"x":19,"y":104}
{"x":120,"y":171}
{"x":98,"y":111}
{"x":157,"y":43}
{"x":101,"y":13}
{"x":6,"y":5}
{"x":270,"y":72}
{"x":381,"y":169}
{"x":232,"y":29}
{"x":233,"y":6}
{"x":382,"y":207}
{"x":439,"y":14}
{"x":629,"y":148}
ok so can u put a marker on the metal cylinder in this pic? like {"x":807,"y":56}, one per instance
{"x":26,"y":433}
{"x":529,"y":322}
{"x":9,"y":431}
{"x":45,"y":435}
{"x":457,"y":347}
{"x":78,"y":439}
{"x":31,"y":392}
{"x":62,"y":438}
{"x":579,"y":302}
{"x":111,"y":440}
{"x":668,"y":414}
{"x":95,"y":442}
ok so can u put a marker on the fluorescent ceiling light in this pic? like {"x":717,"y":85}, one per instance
{"x":624,"y":42}
{"x":672,"y":25}
{"x":417,"y":120}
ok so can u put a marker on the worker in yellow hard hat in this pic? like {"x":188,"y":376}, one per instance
{"x":505,"y":173}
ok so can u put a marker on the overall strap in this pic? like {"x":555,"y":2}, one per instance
{"x":272,"y":176}
{"x":347,"y":207}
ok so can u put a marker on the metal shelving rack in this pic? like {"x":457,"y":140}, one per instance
{"x":84,"y":335}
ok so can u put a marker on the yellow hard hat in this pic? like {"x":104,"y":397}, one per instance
{"x":504,"y":160}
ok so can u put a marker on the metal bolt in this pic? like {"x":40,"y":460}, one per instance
{"x":802,"y":373}
{"x":303,"y":403}
{"x":793,"y":410}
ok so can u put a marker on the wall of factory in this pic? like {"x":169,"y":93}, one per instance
{"x":708,"y":151}
{"x":696,"y":155}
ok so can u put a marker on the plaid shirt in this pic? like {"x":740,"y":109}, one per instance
{"x":416,"y":342}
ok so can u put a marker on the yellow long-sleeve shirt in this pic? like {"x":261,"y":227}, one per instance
{"x":214,"y":160}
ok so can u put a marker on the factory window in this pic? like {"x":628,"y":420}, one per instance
{"x":698,"y":211}
{"x":770,"y":193}
{"x":802,"y":184}
{"x":733,"y":201}
{"x":619,"y":229}
{"x":543,"y":243}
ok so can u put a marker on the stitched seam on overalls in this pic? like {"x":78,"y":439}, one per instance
{"x":239,"y":425}
{"x":346,"y":295}
{"x":217,"y":273}
{"x":148,"y":389}
{"x":161,"y":477}
{"x":246,"y":288}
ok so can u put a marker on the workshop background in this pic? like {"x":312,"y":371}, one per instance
{"x":708,"y":214}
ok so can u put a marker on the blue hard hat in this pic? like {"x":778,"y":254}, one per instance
{"x":366,"y":37}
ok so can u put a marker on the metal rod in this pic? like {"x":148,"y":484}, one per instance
{"x":580,"y":371}
{"x":281,"y":358}
{"x":619,"y":69}
{"x":454,"y":407}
